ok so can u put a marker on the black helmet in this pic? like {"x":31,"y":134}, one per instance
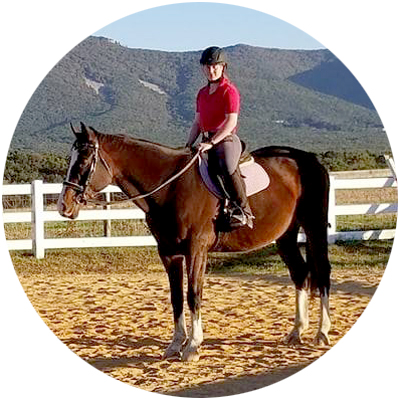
{"x":213,"y":55}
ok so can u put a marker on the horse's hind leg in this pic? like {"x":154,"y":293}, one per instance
{"x":299,"y":271}
{"x":313,"y":217}
{"x":325,"y":322}
{"x":317,"y":257}
{"x":174,"y":266}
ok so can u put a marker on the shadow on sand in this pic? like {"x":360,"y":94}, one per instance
{"x":239,"y":385}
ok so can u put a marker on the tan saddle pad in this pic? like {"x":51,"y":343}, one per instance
{"x":254,"y":175}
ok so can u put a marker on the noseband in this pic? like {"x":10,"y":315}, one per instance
{"x":82,"y":188}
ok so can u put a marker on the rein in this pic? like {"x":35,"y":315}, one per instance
{"x":82,"y":189}
{"x":142,"y":196}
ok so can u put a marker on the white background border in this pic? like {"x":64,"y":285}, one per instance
{"x":35,"y":35}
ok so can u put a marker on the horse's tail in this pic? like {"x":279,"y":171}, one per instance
{"x":312,"y":211}
{"x":313,"y":217}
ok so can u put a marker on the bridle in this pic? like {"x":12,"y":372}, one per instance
{"x":83,"y":188}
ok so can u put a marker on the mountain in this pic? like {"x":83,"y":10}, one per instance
{"x":306,"y":99}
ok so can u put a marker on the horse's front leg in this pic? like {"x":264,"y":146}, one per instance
{"x":174,"y":266}
{"x":196,"y":265}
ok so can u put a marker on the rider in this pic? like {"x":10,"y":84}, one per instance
{"x":217,"y":111}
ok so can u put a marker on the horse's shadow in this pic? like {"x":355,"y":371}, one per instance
{"x":159,"y":346}
{"x":147,"y":363}
{"x":120,"y":362}
{"x":237,"y":385}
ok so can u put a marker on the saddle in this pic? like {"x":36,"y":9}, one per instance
{"x":254,"y":175}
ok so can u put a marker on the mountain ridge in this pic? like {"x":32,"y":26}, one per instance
{"x":303,"y":98}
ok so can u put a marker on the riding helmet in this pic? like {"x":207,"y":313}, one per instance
{"x":213,"y":55}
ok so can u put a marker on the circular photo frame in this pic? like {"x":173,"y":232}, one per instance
{"x":98,"y":283}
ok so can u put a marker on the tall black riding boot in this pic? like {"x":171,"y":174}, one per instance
{"x":236,"y":190}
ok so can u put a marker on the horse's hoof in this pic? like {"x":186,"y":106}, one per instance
{"x":293,"y":339}
{"x":190,"y":356}
{"x":322,"y":340}
{"x":171,"y":356}
{"x":172,"y":353}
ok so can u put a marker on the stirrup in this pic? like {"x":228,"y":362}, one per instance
{"x":242,"y":216}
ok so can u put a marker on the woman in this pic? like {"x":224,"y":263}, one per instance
{"x":216,"y":119}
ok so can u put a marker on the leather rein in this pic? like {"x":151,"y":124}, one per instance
{"x":82,"y":189}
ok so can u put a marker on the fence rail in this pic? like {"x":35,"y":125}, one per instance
{"x":38,"y":216}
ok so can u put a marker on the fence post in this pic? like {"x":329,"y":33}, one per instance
{"x":332,"y":211}
{"x":37,"y":219}
{"x":107,"y":222}
{"x":390,"y":163}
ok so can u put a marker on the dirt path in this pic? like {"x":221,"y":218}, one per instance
{"x":121,"y":324}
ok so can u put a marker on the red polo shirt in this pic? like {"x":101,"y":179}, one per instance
{"x":214,"y":107}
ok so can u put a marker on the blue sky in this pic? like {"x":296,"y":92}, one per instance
{"x":194,"y":26}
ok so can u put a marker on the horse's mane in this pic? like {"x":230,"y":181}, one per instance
{"x":124,"y":141}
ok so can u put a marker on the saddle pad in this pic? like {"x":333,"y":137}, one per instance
{"x":254,"y":176}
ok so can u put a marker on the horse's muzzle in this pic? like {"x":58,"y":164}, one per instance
{"x":68,"y":205}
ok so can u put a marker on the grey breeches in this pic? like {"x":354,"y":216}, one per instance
{"x":225,"y":155}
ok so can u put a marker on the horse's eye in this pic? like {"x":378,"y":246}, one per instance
{"x":85,"y":152}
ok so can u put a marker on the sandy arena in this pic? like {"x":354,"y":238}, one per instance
{"x":122,"y":323}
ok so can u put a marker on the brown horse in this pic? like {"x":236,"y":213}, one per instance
{"x":182,"y":216}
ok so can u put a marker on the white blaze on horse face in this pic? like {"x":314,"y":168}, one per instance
{"x":73,"y":160}
{"x":61,"y":204}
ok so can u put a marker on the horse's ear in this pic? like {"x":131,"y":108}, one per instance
{"x":73,"y":129}
{"x":83,"y":129}
{"x":87,"y":133}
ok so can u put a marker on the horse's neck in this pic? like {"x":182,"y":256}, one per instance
{"x":140,"y":166}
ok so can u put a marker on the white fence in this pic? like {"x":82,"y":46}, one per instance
{"x":38,"y":216}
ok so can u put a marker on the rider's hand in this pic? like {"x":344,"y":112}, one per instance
{"x":204,"y":147}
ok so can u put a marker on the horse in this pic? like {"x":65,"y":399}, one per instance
{"x":181,"y":215}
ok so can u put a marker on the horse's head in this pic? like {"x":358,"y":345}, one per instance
{"x":86,"y":175}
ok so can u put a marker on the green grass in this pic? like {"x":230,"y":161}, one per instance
{"x":95,"y":228}
{"x":365,"y":222}
{"x":79,"y":229}
{"x":356,"y":254}
{"x":87,"y":261}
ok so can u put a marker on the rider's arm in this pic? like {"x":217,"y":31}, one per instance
{"x":226,"y":129}
{"x":194,"y":131}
